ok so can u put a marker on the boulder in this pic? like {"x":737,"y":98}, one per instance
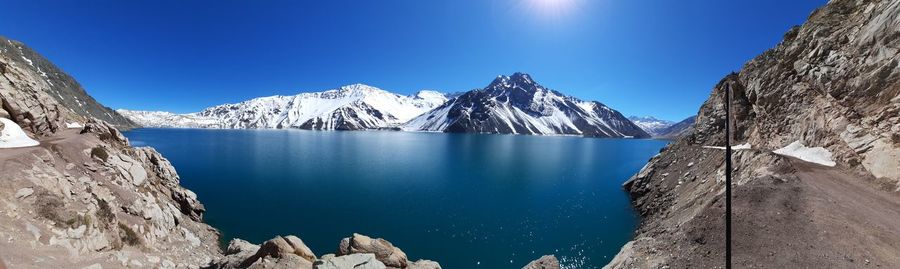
{"x":24,"y":192}
{"x":545,"y":262}
{"x":104,"y":131}
{"x":300,"y":248}
{"x":424,"y":264}
{"x":286,"y":262}
{"x":281,"y":247}
{"x":355,"y":261}
{"x":239,"y":246}
{"x":384,"y":251}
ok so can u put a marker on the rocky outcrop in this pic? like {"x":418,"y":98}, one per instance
{"x":356,"y":251}
{"x":89,"y":198}
{"x":831,"y":83}
{"x":386,"y":252}
{"x":83,"y":197}
{"x":358,"y":260}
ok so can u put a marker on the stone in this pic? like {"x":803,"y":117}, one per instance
{"x":93,"y":266}
{"x":355,"y":261}
{"x":286,"y":262}
{"x":237,"y":246}
{"x":545,"y":262}
{"x":300,"y":248}
{"x":24,"y":192}
{"x":281,"y":247}
{"x":424,"y":264}
{"x":384,"y":251}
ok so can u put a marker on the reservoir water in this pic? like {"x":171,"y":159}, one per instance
{"x":464,"y":200}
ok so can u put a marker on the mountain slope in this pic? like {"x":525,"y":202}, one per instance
{"x":160,"y":119}
{"x":352,"y":107}
{"x":832,"y":83}
{"x":678,"y":129}
{"x":56,"y":83}
{"x":651,"y":125}
{"x":518,"y":105}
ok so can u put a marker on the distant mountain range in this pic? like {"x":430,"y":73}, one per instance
{"x":678,"y":129}
{"x":650,"y":124}
{"x":663,"y":128}
{"x":352,"y":107}
{"x":513,"y":104}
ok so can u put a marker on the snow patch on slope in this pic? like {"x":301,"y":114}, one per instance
{"x":12,"y":136}
{"x":797,"y":150}
{"x":735,"y":147}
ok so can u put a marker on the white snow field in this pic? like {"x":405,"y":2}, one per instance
{"x":74,"y":125}
{"x":12,"y":136}
{"x":744,"y":146}
{"x":797,"y":150}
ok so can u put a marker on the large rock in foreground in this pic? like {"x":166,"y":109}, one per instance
{"x":386,"y":252}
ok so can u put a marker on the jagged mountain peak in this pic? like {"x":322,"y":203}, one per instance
{"x":517,"y":80}
{"x":359,"y":87}
{"x":517,"y":104}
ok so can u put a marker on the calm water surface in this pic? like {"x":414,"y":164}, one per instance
{"x":465,"y":200}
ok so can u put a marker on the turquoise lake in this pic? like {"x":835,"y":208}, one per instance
{"x":464,"y":200}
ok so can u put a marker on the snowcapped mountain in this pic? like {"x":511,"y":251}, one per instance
{"x":678,"y":129}
{"x":518,"y":105}
{"x":650,"y":124}
{"x":161,"y":119}
{"x":352,"y":107}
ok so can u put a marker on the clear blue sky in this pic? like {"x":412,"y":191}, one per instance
{"x":641,"y":57}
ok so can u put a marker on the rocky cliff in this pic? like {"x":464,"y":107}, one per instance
{"x":25,"y":72}
{"x":831,"y":83}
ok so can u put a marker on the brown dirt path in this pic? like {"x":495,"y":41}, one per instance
{"x":823,"y":218}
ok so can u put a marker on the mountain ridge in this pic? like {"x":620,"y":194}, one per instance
{"x":517,"y":104}
{"x":350,"y":107}
{"x":354,"y":110}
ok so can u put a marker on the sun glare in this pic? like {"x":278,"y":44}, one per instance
{"x":552,"y":8}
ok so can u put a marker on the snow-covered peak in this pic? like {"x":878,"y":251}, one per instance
{"x":517,"y":104}
{"x":431,"y":98}
{"x":651,"y":124}
{"x":425,"y":94}
{"x":516,"y":80}
{"x":350,"y":107}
